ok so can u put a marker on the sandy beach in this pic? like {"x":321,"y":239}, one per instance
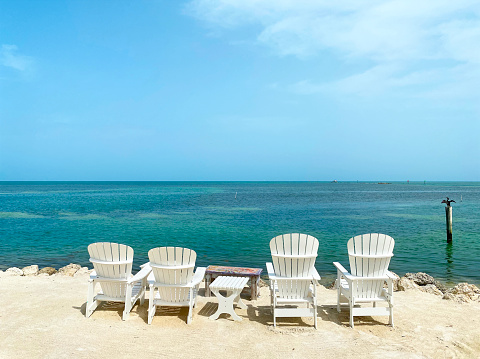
{"x":43,"y":317}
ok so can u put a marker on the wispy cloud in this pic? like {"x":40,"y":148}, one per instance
{"x":10,"y":58}
{"x":407,"y":42}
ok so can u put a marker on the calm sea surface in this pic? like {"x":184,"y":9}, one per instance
{"x":231,"y":223}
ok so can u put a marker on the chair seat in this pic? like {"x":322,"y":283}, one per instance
{"x":136,"y":292}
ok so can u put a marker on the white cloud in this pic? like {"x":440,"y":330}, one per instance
{"x":407,"y":42}
{"x":10,"y":58}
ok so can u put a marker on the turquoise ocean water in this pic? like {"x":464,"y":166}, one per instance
{"x":231,"y":223}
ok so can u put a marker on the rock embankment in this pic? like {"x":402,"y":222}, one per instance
{"x":462,"y":292}
{"x":70,"y":270}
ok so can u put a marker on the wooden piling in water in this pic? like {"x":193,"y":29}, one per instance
{"x":448,"y":212}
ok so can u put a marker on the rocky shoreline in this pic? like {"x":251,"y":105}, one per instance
{"x":71,"y":270}
{"x":461,"y":293}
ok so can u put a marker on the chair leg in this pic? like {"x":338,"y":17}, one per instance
{"x":190,"y":307}
{"x":274,"y":304}
{"x":315,"y":315}
{"x":337,"y":282}
{"x":91,"y":303}
{"x":128,"y":301}
{"x":351,"y":313}
{"x":391,"y":316}
{"x":144,"y":289}
{"x":151,"y":305}
{"x":195,"y":294}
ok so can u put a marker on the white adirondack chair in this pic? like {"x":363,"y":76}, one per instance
{"x":112,"y":263}
{"x":369,"y":256}
{"x":293,"y":277}
{"x":172,"y":281}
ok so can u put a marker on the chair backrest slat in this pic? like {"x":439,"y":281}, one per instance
{"x":112,"y":252}
{"x":293,"y":255}
{"x":369,"y":256}
{"x":172,"y":257}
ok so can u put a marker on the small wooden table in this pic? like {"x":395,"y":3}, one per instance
{"x":233,"y":286}
{"x":253,"y":274}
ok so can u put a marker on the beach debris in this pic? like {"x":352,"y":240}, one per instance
{"x":463,"y":293}
{"x":30,"y":270}
{"x":47,"y":270}
{"x":14,"y":271}
{"x":69,"y":270}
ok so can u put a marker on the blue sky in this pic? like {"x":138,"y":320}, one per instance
{"x":240,"y":90}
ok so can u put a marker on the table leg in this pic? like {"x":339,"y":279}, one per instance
{"x":208,"y":278}
{"x":239,"y":301}
{"x":225,"y":304}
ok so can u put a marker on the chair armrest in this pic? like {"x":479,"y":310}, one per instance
{"x":316,"y":276}
{"x":197,"y":279}
{"x":270,"y":271}
{"x":144,"y":272}
{"x":198,"y":276}
{"x":350,"y":277}
{"x":93,"y":275}
{"x":390,"y":275}
{"x":344,"y":272}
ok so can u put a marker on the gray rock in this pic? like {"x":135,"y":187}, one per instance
{"x":440,"y":287}
{"x":47,"y":270}
{"x":30,"y":270}
{"x":404,"y":284}
{"x":420,"y":278}
{"x":14,"y":271}
{"x":69,"y":270}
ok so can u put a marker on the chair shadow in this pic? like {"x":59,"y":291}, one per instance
{"x":329,"y":313}
{"x":140,"y":310}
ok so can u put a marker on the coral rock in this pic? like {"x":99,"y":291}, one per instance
{"x":14,"y":271}
{"x":395,"y":282}
{"x":69,"y":270}
{"x":404,"y":284}
{"x":463,"y":293}
{"x":47,"y":270}
{"x":30,"y":270}
{"x":432,"y":289}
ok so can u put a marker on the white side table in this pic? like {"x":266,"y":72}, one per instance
{"x":233,"y":286}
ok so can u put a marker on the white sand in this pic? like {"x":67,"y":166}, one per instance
{"x":43,"y":317}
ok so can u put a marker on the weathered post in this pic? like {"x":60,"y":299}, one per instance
{"x":449,"y":217}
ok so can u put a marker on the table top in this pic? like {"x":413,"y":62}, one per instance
{"x":224,"y":282}
{"x":243,"y":271}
